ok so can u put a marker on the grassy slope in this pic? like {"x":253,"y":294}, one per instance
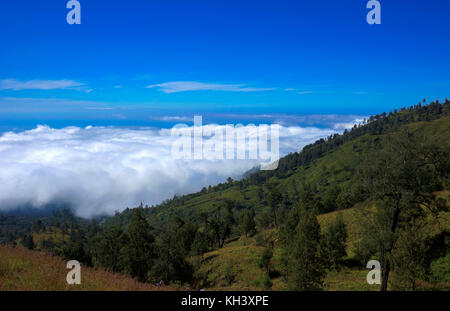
{"x":243,"y":254}
{"x":22,"y":269}
{"x":335,"y":167}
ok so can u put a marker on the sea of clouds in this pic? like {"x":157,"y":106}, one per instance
{"x":100,"y":170}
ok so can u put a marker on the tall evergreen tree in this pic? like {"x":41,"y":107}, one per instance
{"x":140,"y":250}
{"x":301,"y":258}
{"x":275,"y":198}
{"x":171,"y":264}
{"x":110,"y":248}
{"x":28,"y":242}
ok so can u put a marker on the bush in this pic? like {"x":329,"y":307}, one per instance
{"x":260,"y":239}
{"x":201,"y":279}
{"x":266,"y":282}
{"x":266,"y":257}
{"x":440,"y":269}
{"x":230,"y":273}
{"x":334,"y":242}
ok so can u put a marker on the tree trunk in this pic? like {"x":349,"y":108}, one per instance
{"x":387,"y":269}
{"x":387,"y":265}
{"x":274,"y":215}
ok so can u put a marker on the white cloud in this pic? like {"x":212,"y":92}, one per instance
{"x":347,"y":125}
{"x":175,"y":118}
{"x":26,"y":104}
{"x":16,"y":85}
{"x":103,"y":169}
{"x":300,"y":92}
{"x":184,"y":86}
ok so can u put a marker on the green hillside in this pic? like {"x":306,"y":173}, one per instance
{"x":243,"y":255}
{"x":327,"y":171}
{"x":329,"y":167}
{"x":387,"y":179}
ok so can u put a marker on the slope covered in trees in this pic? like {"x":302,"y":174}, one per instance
{"x":389,"y":177}
{"x":327,"y":166}
{"x":411,"y":146}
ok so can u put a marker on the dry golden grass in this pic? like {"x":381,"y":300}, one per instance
{"x":25,"y":270}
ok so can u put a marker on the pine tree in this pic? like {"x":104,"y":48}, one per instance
{"x":140,"y":249}
{"x":275,"y":198}
{"x":171,"y":264}
{"x":304,"y":265}
{"x":109,"y":249}
{"x":28,"y":241}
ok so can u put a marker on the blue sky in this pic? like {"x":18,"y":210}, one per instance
{"x":133,"y":62}
{"x":313,"y":66}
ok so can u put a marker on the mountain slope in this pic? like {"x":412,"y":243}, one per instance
{"x":199,"y":233}
{"x":327,"y":165}
{"x":243,"y":255}
{"x":22,"y":269}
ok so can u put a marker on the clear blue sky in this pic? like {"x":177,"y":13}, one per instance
{"x":127,"y":58}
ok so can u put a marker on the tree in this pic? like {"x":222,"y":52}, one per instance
{"x":330,"y":199}
{"x":38,"y":226}
{"x":110,"y":248}
{"x":186,"y":232}
{"x":334,"y":241}
{"x":402,"y":176}
{"x":266,"y":282}
{"x":171,"y":264}
{"x":76,"y":250}
{"x":247,"y":224}
{"x":264,"y":219}
{"x":222,"y":221}
{"x":230,"y":272}
{"x":200,"y":245}
{"x":275,"y":198}
{"x":409,"y":257}
{"x":140,"y":251}
{"x":301,"y":259}
{"x":265,"y":259}
{"x":28,"y":242}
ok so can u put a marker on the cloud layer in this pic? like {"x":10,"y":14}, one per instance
{"x":184,"y":86}
{"x":16,"y":85}
{"x":103,"y":169}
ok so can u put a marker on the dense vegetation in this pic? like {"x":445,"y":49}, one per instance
{"x":392,"y":170}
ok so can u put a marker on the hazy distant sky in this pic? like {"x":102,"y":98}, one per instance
{"x":314,"y":67}
{"x":133,"y":60}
